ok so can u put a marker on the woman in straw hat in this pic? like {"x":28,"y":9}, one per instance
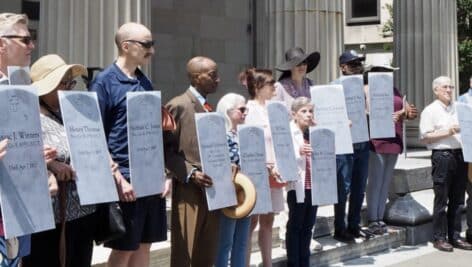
{"x":74,"y":223}
{"x":293,"y":82}
{"x":233,"y":233}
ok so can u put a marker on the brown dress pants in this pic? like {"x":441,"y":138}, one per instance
{"x":194,"y":229}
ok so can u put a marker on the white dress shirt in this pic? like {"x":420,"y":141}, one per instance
{"x":439,"y":117}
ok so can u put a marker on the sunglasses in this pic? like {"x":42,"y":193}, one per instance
{"x":354,"y":63}
{"x":24,"y":39}
{"x":302,"y":63}
{"x":145,"y":44}
{"x":68,"y":83}
{"x":243,"y":109}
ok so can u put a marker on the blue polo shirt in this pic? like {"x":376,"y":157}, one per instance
{"x":466,"y":97}
{"x":111,"y":86}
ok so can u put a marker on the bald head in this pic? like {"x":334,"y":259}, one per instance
{"x":199,"y":65}
{"x":203,"y":74}
{"x":130,"y":31}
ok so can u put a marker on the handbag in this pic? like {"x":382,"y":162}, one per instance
{"x":168,"y":122}
{"x":110,"y":224}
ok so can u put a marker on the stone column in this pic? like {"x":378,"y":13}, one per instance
{"x":83,"y":31}
{"x":315,"y":25}
{"x":425,"y":47}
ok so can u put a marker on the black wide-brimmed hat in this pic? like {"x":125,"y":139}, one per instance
{"x":295,"y":55}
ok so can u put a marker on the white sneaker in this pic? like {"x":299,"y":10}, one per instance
{"x":317,"y":246}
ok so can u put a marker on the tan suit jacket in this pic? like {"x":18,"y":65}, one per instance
{"x":194,"y":229}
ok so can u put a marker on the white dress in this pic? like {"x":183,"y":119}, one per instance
{"x":257,"y":115}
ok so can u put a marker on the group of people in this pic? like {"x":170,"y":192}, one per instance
{"x":200,"y":237}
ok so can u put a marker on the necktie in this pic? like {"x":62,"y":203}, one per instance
{"x":207,"y":107}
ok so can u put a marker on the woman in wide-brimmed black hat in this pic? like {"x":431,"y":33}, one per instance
{"x":293,"y":82}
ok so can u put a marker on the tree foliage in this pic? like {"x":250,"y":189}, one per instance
{"x":387,"y":29}
{"x":464,"y":32}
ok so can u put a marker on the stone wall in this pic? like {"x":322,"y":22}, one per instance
{"x":219,"y":29}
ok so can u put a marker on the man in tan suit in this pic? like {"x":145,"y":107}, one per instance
{"x":194,"y":228}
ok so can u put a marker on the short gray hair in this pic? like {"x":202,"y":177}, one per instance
{"x":226,"y":103}
{"x":300,"y":102}
{"x":7,"y":20}
{"x":440,"y":81}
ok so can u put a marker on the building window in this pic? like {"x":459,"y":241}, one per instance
{"x":362,"y":12}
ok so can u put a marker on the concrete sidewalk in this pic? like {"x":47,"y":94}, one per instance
{"x":411,"y":256}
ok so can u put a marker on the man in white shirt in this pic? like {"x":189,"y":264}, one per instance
{"x":439,"y":130}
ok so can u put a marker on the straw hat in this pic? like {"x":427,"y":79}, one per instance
{"x":295,"y":56}
{"x":246,"y":196}
{"x":48,"y":71}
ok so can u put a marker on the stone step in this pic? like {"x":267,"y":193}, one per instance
{"x":412,"y":174}
{"x":160,"y":252}
{"x":325,"y":220}
{"x":415,"y":216}
{"x":334,"y":251}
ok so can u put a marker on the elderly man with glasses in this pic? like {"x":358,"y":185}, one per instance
{"x":15,"y":50}
{"x":16,"y":44}
{"x":440,"y":131}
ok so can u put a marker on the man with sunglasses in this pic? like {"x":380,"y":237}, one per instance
{"x":144,"y":217}
{"x":15,"y":50}
{"x":352,"y":169}
{"x":16,"y":44}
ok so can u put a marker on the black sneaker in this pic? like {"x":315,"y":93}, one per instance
{"x":384,"y":226}
{"x":355,"y":232}
{"x":344,"y":236}
{"x":375,"y":228}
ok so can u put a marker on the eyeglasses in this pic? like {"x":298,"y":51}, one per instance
{"x":27,"y":40}
{"x":270,"y":82}
{"x":145,"y":44}
{"x":447,"y":87}
{"x":68,"y":83}
{"x":354,"y":63}
{"x":213,"y":74}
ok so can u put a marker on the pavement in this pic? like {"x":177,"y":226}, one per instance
{"x":403,"y":256}
{"x":410,"y":256}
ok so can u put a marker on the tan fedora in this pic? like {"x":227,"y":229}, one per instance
{"x":246,"y":196}
{"x":48,"y":71}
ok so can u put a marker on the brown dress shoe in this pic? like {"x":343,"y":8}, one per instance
{"x":461,"y":244}
{"x":443,"y":245}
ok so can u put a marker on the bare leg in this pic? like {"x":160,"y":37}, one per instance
{"x":140,"y":257}
{"x":254,"y":220}
{"x":265,"y":238}
{"x":119,"y":258}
